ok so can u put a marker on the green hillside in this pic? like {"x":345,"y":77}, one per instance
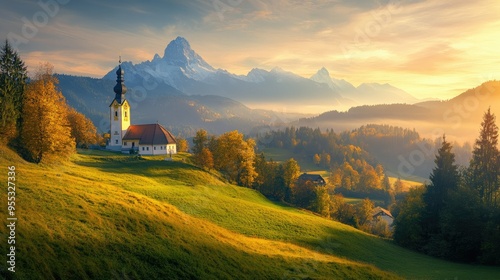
{"x":109,"y":216}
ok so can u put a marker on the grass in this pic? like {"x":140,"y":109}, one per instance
{"x":407,"y":184}
{"x":110,"y":216}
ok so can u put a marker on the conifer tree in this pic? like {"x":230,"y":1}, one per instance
{"x":484,"y":165}
{"x":444,"y":178}
{"x":13,"y":78}
{"x":45,"y":131}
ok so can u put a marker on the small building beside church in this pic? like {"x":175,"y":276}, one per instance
{"x":144,"y":139}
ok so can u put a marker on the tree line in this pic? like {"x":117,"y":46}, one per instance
{"x":457,"y":216}
{"x":35,"y":119}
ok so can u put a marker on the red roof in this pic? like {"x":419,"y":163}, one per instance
{"x":149,"y":134}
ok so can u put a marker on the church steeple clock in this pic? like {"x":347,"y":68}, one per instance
{"x":119,"y":111}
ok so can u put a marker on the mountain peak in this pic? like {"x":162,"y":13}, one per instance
{"x":321,"y":76}
{"x":323,"y":71}
{"x":179,"y":53}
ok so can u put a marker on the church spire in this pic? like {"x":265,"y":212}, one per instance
{"x":120,"y":88}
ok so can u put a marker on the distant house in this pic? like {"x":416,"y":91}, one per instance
{"x":383,"y":214}
{"x":314,"y":178}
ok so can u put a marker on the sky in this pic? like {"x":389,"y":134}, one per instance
{"x":431,"y":49}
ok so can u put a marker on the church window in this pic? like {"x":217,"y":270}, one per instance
{"x":125,"y":114}
{"x":116,"y":113}
{"x":116,"y":141}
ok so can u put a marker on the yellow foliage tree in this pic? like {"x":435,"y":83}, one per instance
{"x":182,"y":145}
{"x":82,"y":129}
{"x":235,"y":156}
{"x":316,"y":159}
{"x":206,"y":159}
{"x":45,"y":132}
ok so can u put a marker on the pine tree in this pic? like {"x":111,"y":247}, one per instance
{"x":45,"y":131}
{"x":484,"y":165}
{"x":13,"y":78}
{"x":484,"y":173}
{"x":444,"y":178}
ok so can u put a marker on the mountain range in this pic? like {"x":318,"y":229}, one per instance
{"x":184,"y":92}
{"x":186,"y":71}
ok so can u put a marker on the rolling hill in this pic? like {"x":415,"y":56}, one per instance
{"x":111,"y":216}
{"x":459,"y":118}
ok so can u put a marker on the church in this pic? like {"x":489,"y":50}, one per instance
{"x":144,"y":139}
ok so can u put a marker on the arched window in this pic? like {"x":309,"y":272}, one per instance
{"x":125,"y":114}
{"x":116,"y":113}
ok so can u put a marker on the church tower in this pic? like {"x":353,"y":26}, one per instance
{"x":119,"y":112}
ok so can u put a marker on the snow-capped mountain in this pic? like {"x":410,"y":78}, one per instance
{"x":366,"y":93}
{"x":181,"y":69}
{"x":341,"y":86}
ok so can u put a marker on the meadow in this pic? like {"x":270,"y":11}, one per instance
{"x":110,"y":216}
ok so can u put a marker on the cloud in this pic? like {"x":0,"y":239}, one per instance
{"x":448,"y":43}
{"x":436,"y":59}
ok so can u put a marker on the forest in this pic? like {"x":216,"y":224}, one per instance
{"x":457,"y":215}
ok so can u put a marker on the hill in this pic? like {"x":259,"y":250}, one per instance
{"x":111,"y":216}
{"x":458,"y":118}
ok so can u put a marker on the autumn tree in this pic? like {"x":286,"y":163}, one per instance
{"x":291,"y":172}
{"x":364,"y":211}
{"x":369,"y":179}
{"x":45,"y":131}
{"x":316,"y":159}
{"x":342,"y":211}
{"x":350,"y":177}
{"x":206,"y":159}
{"x":182,"y":145}
{"x":398,"y":186}
{"x":13,"y":79}
{"x":304,"y":194}
{"x":321,"y":203}
{"x":325,"y":159}
{"x":82,"y":129}
{"x":234,"y":156}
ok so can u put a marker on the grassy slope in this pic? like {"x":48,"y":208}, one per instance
{"x":109,"y":216}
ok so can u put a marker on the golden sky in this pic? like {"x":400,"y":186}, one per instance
{"x":431,"y":49}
